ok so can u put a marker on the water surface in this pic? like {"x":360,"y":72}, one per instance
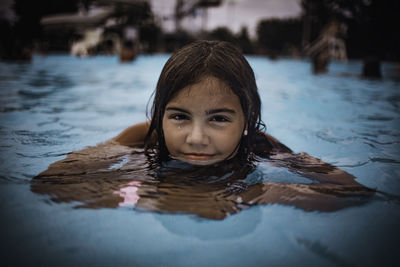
{"x":58,"y":104}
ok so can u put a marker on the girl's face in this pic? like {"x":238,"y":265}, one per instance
{"x":203,"y":123}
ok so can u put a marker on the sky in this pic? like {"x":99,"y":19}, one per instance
{"x":232,"y":14}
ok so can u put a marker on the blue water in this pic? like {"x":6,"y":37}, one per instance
{"x":58,"y":104}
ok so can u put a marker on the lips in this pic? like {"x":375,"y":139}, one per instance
{"x":198,"y":156}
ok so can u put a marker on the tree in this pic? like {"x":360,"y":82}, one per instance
{"x":29,"y":14}
{"x":150,"y":34}
{"x":243,"y":41}
{"x":240,"y":40}
{"x":222,"y":34}
{"x":277,"y":36}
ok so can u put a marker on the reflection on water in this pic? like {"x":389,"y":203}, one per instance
{"x":110,"y":175}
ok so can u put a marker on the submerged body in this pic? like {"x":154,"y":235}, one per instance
{"x":201,"y":147}
{"x":119,"y":173}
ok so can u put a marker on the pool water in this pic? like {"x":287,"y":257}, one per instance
{"x":58,"y":104}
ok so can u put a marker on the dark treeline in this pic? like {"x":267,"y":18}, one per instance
{"x":371,"y":29}
{"x":274,"y":37}
{"x":280,"y":36}
{"x":19,"y":36}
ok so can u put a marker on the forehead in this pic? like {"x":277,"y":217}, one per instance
{"x":209,"y":88}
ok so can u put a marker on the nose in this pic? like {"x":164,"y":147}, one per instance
{"x":197,"y":135}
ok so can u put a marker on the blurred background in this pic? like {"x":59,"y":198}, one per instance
{"x":321,"y":30}
{"x":75,"y":73}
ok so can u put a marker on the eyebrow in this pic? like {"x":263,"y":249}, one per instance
{"x":208,"y":112}
{"x":178,"y":109}
{"x":220,"y":110}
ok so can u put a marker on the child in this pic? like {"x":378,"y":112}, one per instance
{"x":206,"y":112}
{"x":206,"y":108}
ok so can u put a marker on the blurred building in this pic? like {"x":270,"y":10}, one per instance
{"x":105,"y":26}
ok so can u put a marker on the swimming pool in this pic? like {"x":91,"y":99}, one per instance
{"x":60,"y":103}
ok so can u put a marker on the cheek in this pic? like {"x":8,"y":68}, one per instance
{"x":171,"y":136}
{"x":228,"y":141}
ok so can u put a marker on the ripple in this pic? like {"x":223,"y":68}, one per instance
{"x":382,"y":143}
{"x":51,"y":121}
{"x":377,"y":117}
{"x":15,"y":180}
{"x":41,"y":138}
{"x":385,"y":160}
{"x":35,"y":94}
{"x":43,"y":155}
{"x":124,"y":160}
{"x":13,"y":109}
{"x":394,"y":100}
{"x":323,"y":251}
{"x":358,"y":164}
{"x":333,"y":139}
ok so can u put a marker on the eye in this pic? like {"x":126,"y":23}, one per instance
{"x":220,"y":118}
{"x":179,"y":117}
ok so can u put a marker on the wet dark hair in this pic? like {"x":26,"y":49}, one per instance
{"x":188,"y":66}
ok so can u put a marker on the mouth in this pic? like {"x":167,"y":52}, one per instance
{"x":201,"y":159}
{"x":198,"y":156}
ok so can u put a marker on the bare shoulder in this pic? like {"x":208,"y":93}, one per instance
{"x":133,"y":135}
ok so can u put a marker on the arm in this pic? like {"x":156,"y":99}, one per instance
{"x":305,"y":164}
{"x":313,"y":168}
{"x":133,"y":135}
{"x":328,"y":193}
{"x":309,"y":197}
